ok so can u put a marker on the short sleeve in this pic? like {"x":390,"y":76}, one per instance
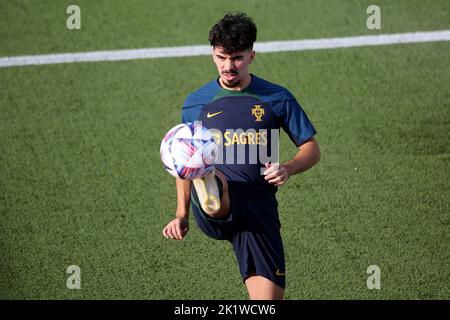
{"x":294,"y":120}
{"x":190,"y":111}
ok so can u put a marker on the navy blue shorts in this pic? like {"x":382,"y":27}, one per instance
{"x":253,"y":228}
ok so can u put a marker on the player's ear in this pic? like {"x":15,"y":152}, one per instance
{"x":252,"y":55}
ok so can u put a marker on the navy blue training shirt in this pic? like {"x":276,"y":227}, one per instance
{"x":243,"y":124}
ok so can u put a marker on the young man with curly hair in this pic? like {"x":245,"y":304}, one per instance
{"x":243,"y":109}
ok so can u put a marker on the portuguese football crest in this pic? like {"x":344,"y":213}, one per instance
{"x":258,"y":112}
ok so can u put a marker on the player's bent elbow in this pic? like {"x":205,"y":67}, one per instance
{"x":319,"y":154}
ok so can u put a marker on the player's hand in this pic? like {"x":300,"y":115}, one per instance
{"x":276,"y":174}
{"x":176,"y":229}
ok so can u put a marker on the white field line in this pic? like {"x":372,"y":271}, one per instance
{"x":203,"y":50}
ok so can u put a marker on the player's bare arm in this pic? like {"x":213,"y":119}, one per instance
{"x":179,"y":226}
{"x":307,"y":156}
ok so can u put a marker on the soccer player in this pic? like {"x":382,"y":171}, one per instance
{"x":244,"y":110}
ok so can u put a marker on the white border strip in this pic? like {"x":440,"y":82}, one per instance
{"x":190,"y":51}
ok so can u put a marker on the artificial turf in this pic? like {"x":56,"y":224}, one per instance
{"x":81,"y":181}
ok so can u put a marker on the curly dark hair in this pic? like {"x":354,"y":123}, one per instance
{"x":234,"y":32}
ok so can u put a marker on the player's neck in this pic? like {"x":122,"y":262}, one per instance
{"x":241,"y":86}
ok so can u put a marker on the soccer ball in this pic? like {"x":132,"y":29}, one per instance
{"x":188,"y":151}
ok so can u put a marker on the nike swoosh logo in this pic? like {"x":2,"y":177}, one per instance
{"x":210,"y":115}
{"x":278,"y":273}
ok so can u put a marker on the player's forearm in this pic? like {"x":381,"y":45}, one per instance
{"x":306,"y":157}
{"x":183,"y":197}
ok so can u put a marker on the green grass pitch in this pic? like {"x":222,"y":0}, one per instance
{"x":81,"y":182}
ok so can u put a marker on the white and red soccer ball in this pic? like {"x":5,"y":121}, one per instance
{"x":188,"y":151}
